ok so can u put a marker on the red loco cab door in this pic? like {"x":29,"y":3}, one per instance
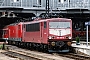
{"x":43,"y":32}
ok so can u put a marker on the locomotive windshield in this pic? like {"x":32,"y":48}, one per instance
{"x":59,"y":24}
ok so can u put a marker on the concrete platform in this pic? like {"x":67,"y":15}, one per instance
{"x":83,"y":47}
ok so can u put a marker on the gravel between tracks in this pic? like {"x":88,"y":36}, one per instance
{"x":4,"y":57}
{"x":34,"y":54}
{"x":40,"y":55}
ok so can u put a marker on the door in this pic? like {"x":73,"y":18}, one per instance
{"x":44,"y":32}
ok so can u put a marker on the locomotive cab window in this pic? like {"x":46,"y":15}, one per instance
{"x":5,"y":32}
{"x":19,"y":27}
{"x":45,"y":25}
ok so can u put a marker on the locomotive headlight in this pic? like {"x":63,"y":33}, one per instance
{"x":50,"y":37}
{"x":53,"y":43}
{"x":69,"y":43}
{"x":69,"y":37}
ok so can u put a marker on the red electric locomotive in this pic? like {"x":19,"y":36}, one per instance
{"x":54,"y":34}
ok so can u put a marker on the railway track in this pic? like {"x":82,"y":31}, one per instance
{"x":19,"y":56}
{"x":13,"y":50}
{"x":73,"y":56}
{"x":68,"y":55}
{"x":78,"y":56}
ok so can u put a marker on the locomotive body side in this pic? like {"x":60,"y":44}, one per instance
{"x":31,"y":33}
{"x":36,"y":32}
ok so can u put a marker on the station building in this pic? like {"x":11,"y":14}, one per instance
{"x":38,"y":7}
{"x":77,"y":10}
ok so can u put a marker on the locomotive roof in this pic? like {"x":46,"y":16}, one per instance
{"x":13,"y":24}
{"x":42,"y":20}
{"x":36,"y":21}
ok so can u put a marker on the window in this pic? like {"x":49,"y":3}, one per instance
{"x":15,"y":0}
{"x":79,"y":26}
{"x":59,"y":0}
{"x":5,"y":32}
{"x":59,"y":25}
{"x":39,"y":2}
{"x":19,"y":27}
{"x":45,"y":25}
{"x":32,"y":27}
